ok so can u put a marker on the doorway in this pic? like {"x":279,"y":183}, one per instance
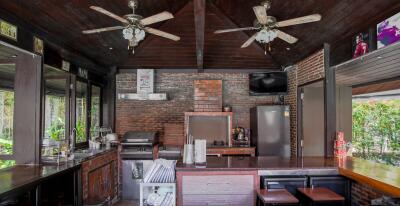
{"x":312,"y":119}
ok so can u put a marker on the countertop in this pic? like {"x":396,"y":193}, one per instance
{"x":260,"y":163}
{"x":25,"y":176}
{"x":383,"y":177}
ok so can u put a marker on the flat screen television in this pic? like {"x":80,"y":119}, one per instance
{"x":268,"y":83}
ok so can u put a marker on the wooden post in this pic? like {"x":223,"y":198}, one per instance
{"x":199,"y":22}
{"x":330,"y":104}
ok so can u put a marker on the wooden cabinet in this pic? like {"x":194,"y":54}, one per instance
{"x":100,"y":183}
{"x":100,"y":178}
{"x":217,"y":187}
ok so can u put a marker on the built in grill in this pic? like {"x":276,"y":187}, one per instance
{"x":138,"y":145}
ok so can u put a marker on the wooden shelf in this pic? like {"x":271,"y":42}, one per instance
{"x":379,"y":65}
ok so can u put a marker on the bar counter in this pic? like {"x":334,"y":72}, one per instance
{"x":23,"y":177}
{"x":380,"y":176}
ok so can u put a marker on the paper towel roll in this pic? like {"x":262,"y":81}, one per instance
{"x":188,"y":156}
{"x":200,"y":151}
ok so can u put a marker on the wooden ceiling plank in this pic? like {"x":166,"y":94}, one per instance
{"x":199,"y":23}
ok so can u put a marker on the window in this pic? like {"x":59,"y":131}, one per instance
{"x":376,"y":126}
{"x":55,"y":103}
{"x":7,"y":75}
{"x":81,"y":112}
{"x":95,"y":114}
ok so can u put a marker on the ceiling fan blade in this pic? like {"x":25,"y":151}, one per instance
{"x":299,"y":20}
{"x":110,"y":14}
{"x":162,"y":34}
{"x":261,"y":14}
{"x":112,"y":28}
{"x":286,"y":37}
{"x":156,"y":18}
{"x":249,"y":41}
{"x":233,"y":30}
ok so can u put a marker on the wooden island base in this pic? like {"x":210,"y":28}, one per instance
{"x":234,"y":180}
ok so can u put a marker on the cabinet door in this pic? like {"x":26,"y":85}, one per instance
{"x":100,"y":183}
{"x":218,"y":185}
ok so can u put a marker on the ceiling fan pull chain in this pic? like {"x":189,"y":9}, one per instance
{"x":265,"y":49}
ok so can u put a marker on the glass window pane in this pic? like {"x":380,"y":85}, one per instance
{"x":95,"y":112}
{"x":6,"y":163}
{"x":7,"y":75}
{"x":81,"y":111}
{"x":55,"y":90}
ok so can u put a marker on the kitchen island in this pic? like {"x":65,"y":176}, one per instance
{"x":234,"y":180}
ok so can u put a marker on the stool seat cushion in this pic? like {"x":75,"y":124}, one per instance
{"x":321,"y":194}
{"x":276,"y":196}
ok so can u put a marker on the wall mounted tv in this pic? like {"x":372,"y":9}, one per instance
{"x":268,"y":83}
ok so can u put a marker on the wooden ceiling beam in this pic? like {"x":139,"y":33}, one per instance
{"x":199,"y":24}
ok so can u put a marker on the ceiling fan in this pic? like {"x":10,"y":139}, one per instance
{"x":267,"y":26}
{"x":134,"y":26}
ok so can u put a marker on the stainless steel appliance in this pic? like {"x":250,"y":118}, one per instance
{"x":137,"y":157}
{"x":270,"y":130}
{"x":132,"y":175}
{"x":138,"y":145}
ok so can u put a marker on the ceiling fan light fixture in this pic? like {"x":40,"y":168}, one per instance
{"x":265,"y":36}
{"x":133,"y":35}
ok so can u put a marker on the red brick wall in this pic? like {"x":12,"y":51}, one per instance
{"x":311,"y":68}
{"x":361,"y":195}
{"x":207,"y":95}
{"x":151,"y":115}
{"x":291,"y":100}
{"x":305,"y":71}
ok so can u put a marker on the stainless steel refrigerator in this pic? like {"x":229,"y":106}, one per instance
{"x":270,"y":130}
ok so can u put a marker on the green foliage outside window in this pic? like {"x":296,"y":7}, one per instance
{"x":376,"y":130}
{"x":56,"y":130}
{"x":6,"y":163}
{"x":6,"y":121}
{"x":80,"y":131}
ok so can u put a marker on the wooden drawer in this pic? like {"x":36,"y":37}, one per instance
{"x":218,"y":185}
{"x":218,"y":200}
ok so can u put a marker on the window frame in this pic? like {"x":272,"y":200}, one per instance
{"x":12,"y":155}
{"x":67,"y":102}
{"x":85,"y":144}
{"x":91,"y":84}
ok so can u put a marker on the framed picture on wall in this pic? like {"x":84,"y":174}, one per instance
{"x":360,"y":44}
{"x":388,"y":31}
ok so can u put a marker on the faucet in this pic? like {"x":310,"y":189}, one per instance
{"x":71,"y":139}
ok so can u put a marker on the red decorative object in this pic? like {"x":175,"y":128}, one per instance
{"x":340,"y":145}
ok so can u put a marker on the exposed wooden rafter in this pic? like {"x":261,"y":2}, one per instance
{"x":199,"y":23}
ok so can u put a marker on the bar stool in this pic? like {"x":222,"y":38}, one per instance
{"x":275,"y":197}
{"x":321,"y":195}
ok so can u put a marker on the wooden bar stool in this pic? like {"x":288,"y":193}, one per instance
{"x":276,"y":197}
{"x":321,"y":195}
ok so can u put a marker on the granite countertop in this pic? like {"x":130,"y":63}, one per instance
{"x":19,"y":176}
{"x":383,"y":177}
{"x":260,"y":163}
